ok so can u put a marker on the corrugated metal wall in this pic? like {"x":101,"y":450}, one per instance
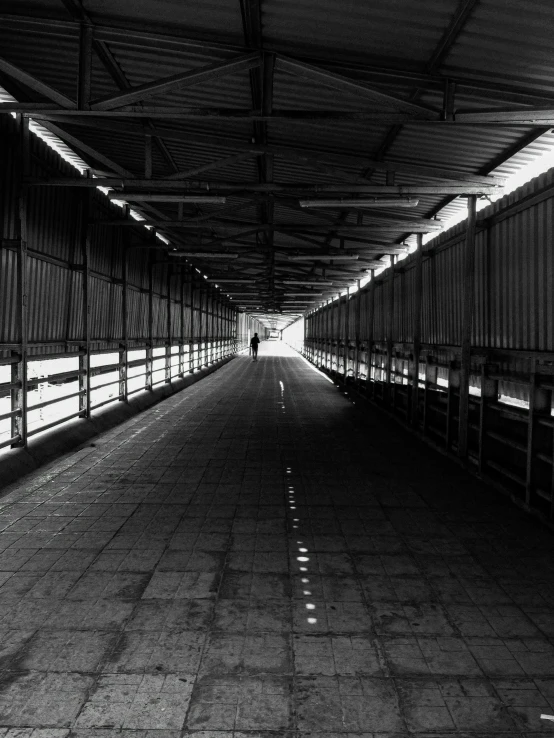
{"x":514,"y":282}
{"x":55,"y":278}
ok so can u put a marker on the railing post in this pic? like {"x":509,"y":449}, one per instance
{"x":489,"y":396}
{"x":182,"y":338}
{"x":192,"y":322}
{"x":390,"y":330}
{"x":168,"y":327}
{"x":346,"y":362}
{"x":84,"y":360}
{"x":370,"y":334}
{"x":416,"y":322}
{"x":124,"y":346}
{"x":337,"y":353}
{"x":150,"y":347}
{"x":19,"y":370}
{"x":540,"y":406}
{"x":467,"y":324}
{"x":357,"y":334}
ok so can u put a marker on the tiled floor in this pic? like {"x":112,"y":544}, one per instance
{"x":249,"y":557}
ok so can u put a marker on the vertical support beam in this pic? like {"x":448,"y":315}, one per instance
{"x":489,"y":396}
{"x":468,"y":295}
{"x":85,"y":66}
{"x":416,"y":322}
{"x":192,"y":322}
{"x":390,"y":329}
{"x":370,"y":332}
{"x":19,"y":370}
{"x":540,"y":406}
{"x":148,"y":157}
{"x":84,"y":361}
{"x":168,"y":328}
{"x":328,"y":334}
{"x":182,"y":332}
{"x":124,"y":346}
{"x":150,"y":347}
{"x":337,"y":355}
{"x":357,"y":333}
{"x":346,"y":334}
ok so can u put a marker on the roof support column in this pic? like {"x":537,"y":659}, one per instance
{"x":370,"y":333}
{"x":389,"y":378}
{"x":84,"y":358}
{"x":168,"y":319}
{"x":416,"y":321}
{"x":150,"y":346}
{"x":19,"y":369}
{"x":468,"y":294}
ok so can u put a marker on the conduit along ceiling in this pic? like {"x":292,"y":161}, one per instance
{"x":284,"y":148}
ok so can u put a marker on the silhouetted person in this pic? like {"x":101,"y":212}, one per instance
{"x":254,"y":342}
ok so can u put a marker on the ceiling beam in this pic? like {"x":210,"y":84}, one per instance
{"x":308,"y":156}
{"x":32,"y":83}
{"x":217,"y":187}
{"x":117,"y":31}
{"x":178,"y":81}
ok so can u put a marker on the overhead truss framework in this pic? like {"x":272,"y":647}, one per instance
{"x":261,"y":125}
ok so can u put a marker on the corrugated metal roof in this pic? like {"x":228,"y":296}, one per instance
{"x":499,"y":56}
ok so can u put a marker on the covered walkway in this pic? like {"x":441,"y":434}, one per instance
{"x":249,"y":555}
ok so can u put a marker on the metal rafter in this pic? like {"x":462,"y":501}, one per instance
{"x":374,"y":70}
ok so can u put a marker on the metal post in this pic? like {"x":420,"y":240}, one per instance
{"x":182,"y":338}
{"x":337,"y":354}
{"x":168,"y":317}
{"x":390,"y":329}
{"x":540,"y":406}
{"x":124,"y":346}
{"x":148,"y":157}
{"x":357,"y":333}
{"x":489,"y":396}
{"x":467,"y":322}
{"x":328,"y":363}
{"x":346,"y":334}
{"x":84,"y":360}
{"x":85,"y":67}
{"x":19,"y":370}
{"x":416,"y":322}
{"x":150,"y":347}
{"x":191,"y":337}
{"x":212,"y":325}
{"x":370,"y":332}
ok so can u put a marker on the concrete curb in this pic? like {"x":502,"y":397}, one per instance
{"x":66,"y":438}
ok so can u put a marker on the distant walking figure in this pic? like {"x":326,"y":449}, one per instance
{"x":254,"y":341}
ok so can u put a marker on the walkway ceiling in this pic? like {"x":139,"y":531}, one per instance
{"x":269,"y":103}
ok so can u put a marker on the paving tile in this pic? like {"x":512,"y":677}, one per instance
{"x":223,"y":566}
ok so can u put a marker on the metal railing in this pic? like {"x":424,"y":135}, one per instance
{"x":87,"y":390}
{"x":510,"y":426}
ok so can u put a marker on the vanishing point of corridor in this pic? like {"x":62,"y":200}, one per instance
{"x":252,"y":555}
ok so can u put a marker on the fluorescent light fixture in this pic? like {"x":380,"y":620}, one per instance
{"x":229,"y":281}
{"x":205,"y":254}
{"x":324,"y":257}
{"x":146,"y":197}
{"x":371,"y":202}
{"x":303,"y":294}
{"x":307,"y":281}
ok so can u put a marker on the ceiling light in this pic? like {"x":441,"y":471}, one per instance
{"x":145,"y":197}
{"x":304,"y":294}
{"x":306,"y":281}
{"x":324,"y":257}
{"x":229,"y":281}
{"x":372,"y":202}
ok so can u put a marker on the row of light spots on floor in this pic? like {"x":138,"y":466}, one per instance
{"x":302,"y":558}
